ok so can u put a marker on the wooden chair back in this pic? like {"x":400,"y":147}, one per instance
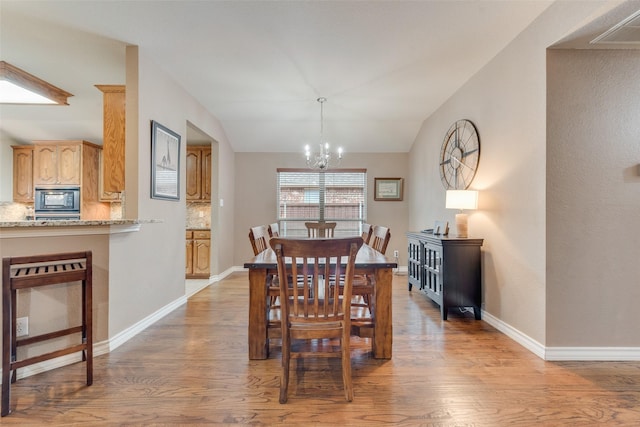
{"x":316,"y":308}
{"x":367,"y":230}
{"x":380,"y":237}
{"x":274,"y":230}
{"x":259,"y":237}
{"x":320,"y":229}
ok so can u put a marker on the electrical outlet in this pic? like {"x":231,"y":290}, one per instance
{"x":22,"y":326}
{"x":396,"y":254}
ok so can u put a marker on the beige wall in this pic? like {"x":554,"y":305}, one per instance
{"x":593,"y":198}
{"x":255,"y":190}
{"x":507,"y":102}
{"x":6,"y":170}
{"x":148,"y":268}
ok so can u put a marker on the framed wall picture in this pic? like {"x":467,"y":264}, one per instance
{"x":165,"y":163}
{"x":389,"y":189}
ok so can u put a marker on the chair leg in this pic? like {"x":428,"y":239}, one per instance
{"x":5,"y":387}
{"x":87,"y":299}
{"x":6,"y":342}
{"x":6,"y":373}
{"x":286,"y":358}
{"x":346,"y":367}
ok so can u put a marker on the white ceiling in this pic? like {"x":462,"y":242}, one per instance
{"x":259,"y":66}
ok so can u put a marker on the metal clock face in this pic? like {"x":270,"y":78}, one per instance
{"x":459,"y":156}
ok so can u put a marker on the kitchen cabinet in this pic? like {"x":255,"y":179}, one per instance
{"x":57,"y":163}
{"x":22,"y":173}
{"x":71,"y":163}
{"x":113,"y":144}
{"x":198,"y":250}
{"x":198,"y":161}
{"x":446,"y":269}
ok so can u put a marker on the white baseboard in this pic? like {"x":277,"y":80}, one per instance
{"x":611,"y":354}
{"x":524,"y":340}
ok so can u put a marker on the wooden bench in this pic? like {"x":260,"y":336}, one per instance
{"x":35,"y":271}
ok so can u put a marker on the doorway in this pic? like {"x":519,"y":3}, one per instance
{"x":198,"y":228}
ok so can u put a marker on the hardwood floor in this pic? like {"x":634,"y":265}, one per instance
{"x":191,"y":368}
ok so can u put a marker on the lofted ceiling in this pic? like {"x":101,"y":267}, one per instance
{"x":259,"y":66}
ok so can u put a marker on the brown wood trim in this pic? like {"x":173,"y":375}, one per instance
{"x":111,"y":88}
{"x":31,"y":82}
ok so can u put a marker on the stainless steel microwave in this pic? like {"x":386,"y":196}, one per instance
{"x":50,"y":200}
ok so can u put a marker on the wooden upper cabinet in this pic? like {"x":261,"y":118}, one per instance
{"x":90,"y":173}
{"x":206,"y":174}
{"x":194,"y":174}
{"x":198,"y":187}
{"x":113,"y":145}
{"x":23,"y":173}
{"x":60,"y":163}
{"x":56,"y":163}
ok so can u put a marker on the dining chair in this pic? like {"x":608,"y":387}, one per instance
{"x":258,"y":236}
{"x":315,"y":311}
{"x":363,"y":285}
{"x":274,"y":230}
{"x":381,"y":236}
{"x":320,"y":229}
{"x":366,"y":233}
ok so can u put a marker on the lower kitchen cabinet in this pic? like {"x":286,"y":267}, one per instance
{"x":198,"y":258}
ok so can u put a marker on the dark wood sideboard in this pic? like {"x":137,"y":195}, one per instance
{"x":446,"y":269}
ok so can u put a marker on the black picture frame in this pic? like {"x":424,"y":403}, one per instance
{"x":165,"y":163}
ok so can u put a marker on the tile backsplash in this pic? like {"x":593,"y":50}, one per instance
{"x":10,"y":211}
{"x":198,"y":215}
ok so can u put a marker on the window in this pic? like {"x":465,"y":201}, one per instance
{"x":336,"y":196}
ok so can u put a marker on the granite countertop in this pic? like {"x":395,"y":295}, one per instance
{"x":62,"y":223}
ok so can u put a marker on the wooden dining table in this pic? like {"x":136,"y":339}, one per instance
{"x":368,"y":261}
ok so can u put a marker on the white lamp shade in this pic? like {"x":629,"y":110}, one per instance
{"x":461,"y":199}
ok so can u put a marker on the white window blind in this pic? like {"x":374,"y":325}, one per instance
{"x":339,"y":195}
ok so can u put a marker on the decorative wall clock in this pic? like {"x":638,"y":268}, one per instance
{"x":459,"y":156}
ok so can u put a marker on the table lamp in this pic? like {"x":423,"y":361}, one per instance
{"x":461,"y":199}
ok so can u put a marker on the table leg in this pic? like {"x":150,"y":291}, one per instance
{"x":383,"y":333}
{"x":258,"y":323}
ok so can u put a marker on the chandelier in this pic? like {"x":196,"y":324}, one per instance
{"x":323,"y":158}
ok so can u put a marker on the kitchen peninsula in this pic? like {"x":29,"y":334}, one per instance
{"x":106,"y":239}
{"x":70,"y":227}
